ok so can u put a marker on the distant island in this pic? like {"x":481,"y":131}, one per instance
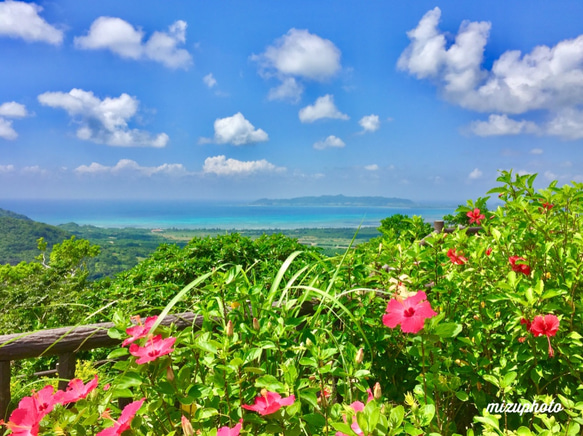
{"x":336,"y":200}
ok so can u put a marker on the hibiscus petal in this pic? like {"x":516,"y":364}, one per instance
{"x":392,"y":320}
{"x":413,"y":324}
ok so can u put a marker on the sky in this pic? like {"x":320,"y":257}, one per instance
{"x":241,"y":99}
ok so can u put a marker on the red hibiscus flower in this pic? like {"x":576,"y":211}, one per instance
{"x":547,"y":206}
{"x":226,"y":431}
{"x":77,"y":390}
{"x":139,"y":331}
{"x":455,"y":258}
{"x":410,"y":313}
{"x":154,"y":348}
{"x":23,"y":422}
{"x":547,"y":325}
{"x":488,"y":251}
{"x":519,"y":267}
{"x":475,"y":216}
{"x":124,"y":421}
{"x":269,"y":402}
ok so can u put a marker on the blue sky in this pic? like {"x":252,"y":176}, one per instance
{"x":249,"y":99}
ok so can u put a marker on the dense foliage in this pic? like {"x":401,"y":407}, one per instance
{"x":392,"y":338}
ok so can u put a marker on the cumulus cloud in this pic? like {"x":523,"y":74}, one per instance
{"x":502,"y":125}
{"x":370,"y":123}
{"x":6,"y":130}
{"x":10,"y":110}
{"x":123,"y":39}
{"x":222,"y":166}
{"x":547,"y":78}
{"x":209,"y":80}
{"x":298,"y":54}
{"x":103,"y":121}
{"x":236,"y":130}
{"x":475,"y":174}
{"x":131,"y":166}
{"x":373,"y":167}
{"x":330,"y":142}
{"x":6,"y":169}
{"x":289,"y":89}
{"x":323,"y":108}
{"x":22,"y":20}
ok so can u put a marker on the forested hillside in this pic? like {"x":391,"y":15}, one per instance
{"x":19,"y":237}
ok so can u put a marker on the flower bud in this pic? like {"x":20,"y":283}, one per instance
{"x":256,"y":324}
{"x":482,"y":304}
{"x":376,"y":391}
{"x":359,"y":356}
{"x":235,"y":305}
{"x":230,"y":330}
{"x":186,"y":426}
{"x":169,"y":373}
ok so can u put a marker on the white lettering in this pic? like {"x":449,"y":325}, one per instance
{"x":522,"y":408}
{"x":543,"y":408}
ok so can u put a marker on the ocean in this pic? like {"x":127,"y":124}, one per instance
{"x":207,"y":215}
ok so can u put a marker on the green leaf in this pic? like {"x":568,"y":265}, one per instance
{"x":492,"y":379}
{"x":315,"y":419}
{"x":462,"y":396}
{"x":129,"y":380}
{"x":523,"y":431}
{"x":508,"y":379}
{"x":448,"y":330}
{"x":409,"y":429}
{"x":118,"y":352}
{"x":343,"y":428}
{"x":396,"y":417}
{"x":488,"y":420}
{"x":270,"y":383}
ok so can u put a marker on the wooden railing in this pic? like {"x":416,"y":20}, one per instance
{"x":65,"y":342}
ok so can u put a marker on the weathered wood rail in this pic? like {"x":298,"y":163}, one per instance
{"x":65,"y":342}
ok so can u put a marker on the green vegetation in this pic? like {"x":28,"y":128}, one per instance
{"x":436,"y":334}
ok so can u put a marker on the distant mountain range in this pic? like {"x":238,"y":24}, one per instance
{"x":336,"y":200}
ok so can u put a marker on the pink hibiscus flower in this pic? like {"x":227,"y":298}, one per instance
{"x":455,"y":258}
{"x":475,"y":216}
{"x":519,"y":267}
{"x":154,"y":348}
{"x":226,"y":431}
{"x":269,"y":402}
{"x":77,"y":390}
{"x":410,"y":313}
{"x":124,"y":421}
{"x":25,"y":419}
{"x":139,"y":331}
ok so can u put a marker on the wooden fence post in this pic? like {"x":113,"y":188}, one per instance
{"x":66,"y":369}
{"x":438,"y":226}
{"x":4,"y":390}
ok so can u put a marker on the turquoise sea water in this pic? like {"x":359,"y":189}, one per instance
{"x":197,"y":214}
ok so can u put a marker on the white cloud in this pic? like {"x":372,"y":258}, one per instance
{"x":373,"y":167}
{"x":475,"y":174}
{"x":120,"y":37}
{"x":130,"y":166}
{"x":502,"y":125}
{"x":536,"y":151}
{"x":547,"y":78}
{"x":222,"y":166}
{"x":6,"y":130}
{"x":330,"y":142}
{"x":303,"y":54}
{"x":289,"y":89}
{"x":550,"y":176}
{"x":12,"y":109}
{"x":103,"y":121}
{"x":323,"y":108}
{"x":209,"y":80}
{"x":34,"y":169}
{"x":6,"y":169}
{"x":235,"y":130}
{"x":298,"y":54}
{"x":370,"y":123}
{"x":22,"y":20}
